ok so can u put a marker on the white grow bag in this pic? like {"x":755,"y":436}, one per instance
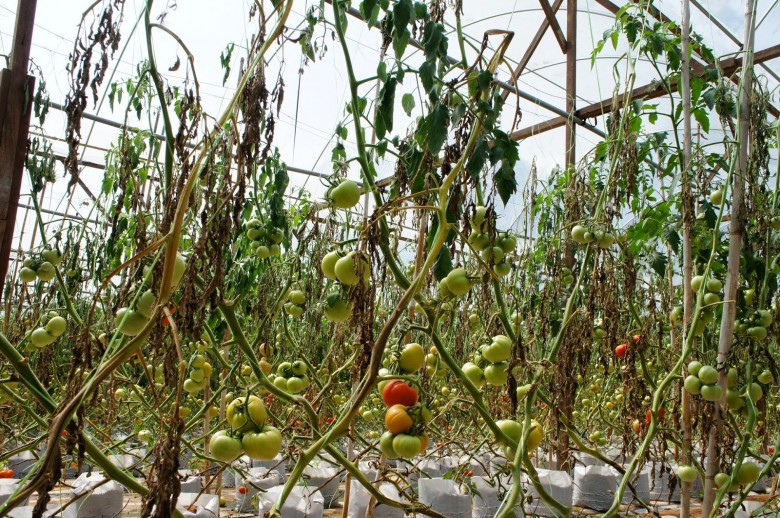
{"x":594,"y":487}
{"x":445,"y":497}
{"x":96,"y":498}
{"x":7,"y":488}
{"x":301,"y":503}
{"x":206,"y":505}
{"x":359,"y":498}
{"x":557,"y":484}
{"x":326,"y":479}
{"x":257,"y":481}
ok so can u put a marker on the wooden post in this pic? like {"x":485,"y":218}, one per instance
{"x":16,"y":93}
{"x":563,"y":461}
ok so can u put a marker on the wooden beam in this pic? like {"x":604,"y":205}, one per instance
{"x":649,"y":91}
{"x":571,"y":81}
{"x":697,"y":67}
{"x":553,"y":22}
{"x":16,"y":94}
{"x":529,"y":52}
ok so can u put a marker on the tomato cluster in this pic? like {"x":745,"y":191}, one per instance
{"x":42,"y":267}
{"x":249,"y":434}
{"x":264,"y":239}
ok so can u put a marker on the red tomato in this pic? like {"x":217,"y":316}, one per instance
{"x":330,"y":420}
{"x":620,"y":351}
{"x":397,"y":392}
{"x":636,"y":338}
{"x":6,"y":473}
{"x":242,"y":490}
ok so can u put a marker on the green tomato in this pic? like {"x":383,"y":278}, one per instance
{"x":133,"y":323}
{"x":722,"y":479}
{"x":295,"y":385}
{"x":246,"y":414}
{"x":41,"y":338}
{"x":223,"y":447}
{"x":46,"y":271}
{"x":412,"y":357}
{"x":406,"y":446}
{"x":458,"y":282}
{"x":755,"y":392}
{"x":714,"y":285}
{"x":580,"y":235}
{"x":708,"y":375}
{"x":696,"y":282}
{"x":757,"y":332}
{"x":345,"y":195}
{"x":502,"y":269}
{"x":347,"y":267}
{"x":474,"y":374}
{"x":693,"y":385}
{"x":712,"y":392}
{"x":52,"y":255}
{"x":328,"y":264}
{"x":264,"y":445}
{"x":687,"y":473}
{"x":337,"y":309}
{"x":497,"y":374}
{"x":297,"y":297}
{"x":56,"y":326}
{"x":293,"y":310}
{"x":386,"y":445}
{"x":280,"y":383}
{"x":145,"y":304}
{"x":747,"y":473}
{"x":732,"y":378}
{"x":27,"y":275}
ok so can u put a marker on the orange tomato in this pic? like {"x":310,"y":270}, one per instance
{"x":397,"y":420}
{"x":423,"y":442}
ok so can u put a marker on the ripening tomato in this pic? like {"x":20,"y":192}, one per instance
{"x":620,"y":351}
{"x":397,"y":420}
{"x":397,"y":392}
{"x":649,"y":415}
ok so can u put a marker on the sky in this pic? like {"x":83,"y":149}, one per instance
{"x":316,"y":93}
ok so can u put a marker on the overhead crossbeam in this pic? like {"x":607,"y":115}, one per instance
{"x":649,"y":91}
{"x":549,"y":14}
{"x":532,"y":46}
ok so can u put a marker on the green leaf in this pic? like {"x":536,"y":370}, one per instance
{"x":434,"y":128}
{"x":367,"y":8}
{"x":381,"y":71}
{"x":434,"y":41}
{"x":407,"y":102}
{"x":703,"y":118}
{"x":427,"y":71}
{"x":506,"y":183}
{"x":477,"y":159}
{"x":658,"y":262}
{"x":400,"y":41}
{"x":385,"y":108}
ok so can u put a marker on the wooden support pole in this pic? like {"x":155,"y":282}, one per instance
{"x":571,"y":80}
{"x":16,"y":93}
